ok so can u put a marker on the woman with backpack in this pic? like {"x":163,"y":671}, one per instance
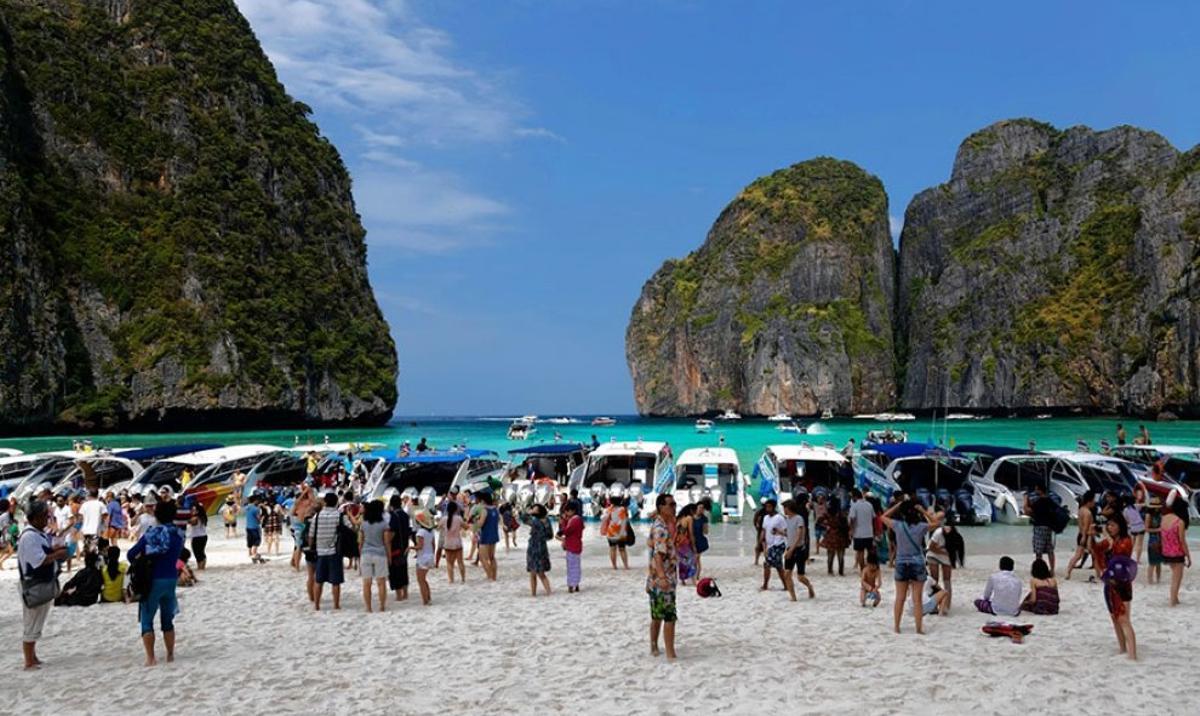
{"x":155,"y":578}
{"x":614,"y":526}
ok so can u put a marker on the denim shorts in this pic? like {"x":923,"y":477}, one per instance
{"x":910,"y":571}
{"x":329,"y":569}
{"x":160,"y":599}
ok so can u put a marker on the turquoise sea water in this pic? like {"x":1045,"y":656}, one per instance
{"x":748,"y":437}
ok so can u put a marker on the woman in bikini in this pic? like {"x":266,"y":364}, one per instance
{"x":1173,"y":534}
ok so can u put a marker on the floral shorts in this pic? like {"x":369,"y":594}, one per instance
{"x":775,"y":556}
{"x":662,"y":605}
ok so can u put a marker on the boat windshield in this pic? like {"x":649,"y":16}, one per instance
{"x":1023,"y":475}
{"x":807,"y":475}
{"x":623,"y":469}
{"x":931,"y":474}
{"x":104,"y":474}
{"x":698,"y":475}
{"x":400,"y":476}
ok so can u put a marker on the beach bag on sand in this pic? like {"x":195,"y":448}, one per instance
{"x":707,"y":587}
{"x":1015,"y":632}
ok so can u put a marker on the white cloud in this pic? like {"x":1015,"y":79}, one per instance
{"x":376,"y":67}
{"x":426,"y":211}
{"x":895,"y":225}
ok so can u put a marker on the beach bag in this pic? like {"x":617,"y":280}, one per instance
{"x":1062,"y":518}
{"x":141,"y":571}
{"x":707,"y":587}
{"x":630,"y":535}
{"x":1120,"y":569}
{"x":347,"y":539}
{"x":36,"y":592}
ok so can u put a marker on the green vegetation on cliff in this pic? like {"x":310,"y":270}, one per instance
{"x":175,"y":178}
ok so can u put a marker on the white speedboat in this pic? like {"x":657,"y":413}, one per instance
{"x":705,"y":426}
{"x":826,"y":414}
{"x":887,"y":436}
{"x":791,"y":426}
{"x":15,"y":468}
{"x":895,"y":417}
{"x":714,"y":473}
{"x":541,"y":473}
{"x":960,"y":416}
{"x":214,"y":467}
{"x":426,"y":476}
{"x":729,"y":415}
{"x":933,"y":475}
{"x":789,"y":470}
{"x":521,"y":429}
{"x":635,"y":469}
{"x":779,"y":418}
{"x":603,"y":421}
{"x":562,"y":421}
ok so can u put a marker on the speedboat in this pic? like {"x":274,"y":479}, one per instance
{"x":10,"y":452}
{"x":562,"y":421}
{"x":603,"y":421}
{"x":15,"y":468}
{"x":779,"y":418}
{"x":521,"y":429}
{"x":791,"y":426}
{"x":1180,"y":463}
{"x":540,"y":473}
{"x":826,"y":414}
{"x":960,"y":416}
{"x":217,"y":465}
{"x":635,"y":469}
{"x":729,"y":415}
{"x":115,"y":472}
{"x":426,"y":476}
{"x":788,"y":470}
{"x":895,"y":417}
{"x":931,"y":474}
{"x":64,"y":465}
{"x":887,"y":436}
{"x":1005,"y":475}
{"x":704,"y":426}
{"x":714,"y":473}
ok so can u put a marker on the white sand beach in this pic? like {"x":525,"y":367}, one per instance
{"x":248,"y":641}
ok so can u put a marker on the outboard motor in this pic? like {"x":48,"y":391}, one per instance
{"x":637,"y":494}
{"x":818,"y":491}
{"x":964,"y":505}
{"x":410,"y":493}
{"x":428,"y":499}
{"x":525,"y":497}
{"x":925,"y":497}
{"x":543,"y":494}
{"x":695,"y":494}
{"x":509,"y":493}
{"x":942,"y":496}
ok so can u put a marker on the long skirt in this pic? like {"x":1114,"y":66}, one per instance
{"x":574,"y":568}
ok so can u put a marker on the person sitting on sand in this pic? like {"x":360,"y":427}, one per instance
{"x":1002,"y":595}
{"x":871,"y":582}
{"x":187,"y":578}
{"x":83,"y":589}
{"x":935,"y":599}
{"x":113,"y":576}
{"x":1043,"y":590}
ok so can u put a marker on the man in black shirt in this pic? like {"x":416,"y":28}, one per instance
{"x":1041,"y":510}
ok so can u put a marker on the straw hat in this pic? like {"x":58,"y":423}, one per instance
{"x":424,"y":519}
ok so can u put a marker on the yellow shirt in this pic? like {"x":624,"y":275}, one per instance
{"x":114,"y":588}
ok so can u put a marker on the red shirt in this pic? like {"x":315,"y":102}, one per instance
{"x":573,"y":535}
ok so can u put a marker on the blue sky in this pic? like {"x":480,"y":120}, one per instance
{"x":523,"y":167}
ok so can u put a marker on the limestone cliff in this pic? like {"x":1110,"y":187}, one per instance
{"x":786,"y":307}
{"x":178,"y":244}
{"x":1055,"y":268}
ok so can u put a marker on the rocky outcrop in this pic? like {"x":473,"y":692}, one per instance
{"x":786,"y":307}
{"x":1056,"y":268}
{"x":178,"y":244}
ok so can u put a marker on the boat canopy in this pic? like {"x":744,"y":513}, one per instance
{"x":895,"y":451}
{"x":162,"y":452}
{"x":992,"y":451}
{"x":549,"y":449}
{"x":429,"y":457}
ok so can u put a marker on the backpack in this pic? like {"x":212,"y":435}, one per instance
{"x":1062,"y":518}
{"x":140,"y":574}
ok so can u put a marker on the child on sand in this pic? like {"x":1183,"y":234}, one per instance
{"x":425,"y":525}
{"x":871,"y":582}
{"x":187,"y":578}
{"x":229,"y":513}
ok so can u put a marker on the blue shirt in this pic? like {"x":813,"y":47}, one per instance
{"x":489,"y":532}
{"x":164,"y":563}
{"x":116,"y":516}
{"x":252,"y":513}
